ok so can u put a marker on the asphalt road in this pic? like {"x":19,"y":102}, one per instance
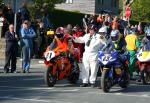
{"x":30,"y":88}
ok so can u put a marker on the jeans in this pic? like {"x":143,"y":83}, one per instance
{"x":26,"y":55}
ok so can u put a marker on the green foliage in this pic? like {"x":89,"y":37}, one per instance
{"x":141,"y":10}
{"x":42,"y":6}
{"x":50,"y":3}
{"x":62,"y":18}
{"x":121,"y":4}
{"x":1,"y":1}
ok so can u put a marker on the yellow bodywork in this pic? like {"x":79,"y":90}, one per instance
{"x":50,"y":32}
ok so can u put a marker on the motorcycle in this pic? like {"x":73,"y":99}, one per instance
{"x":60,"y":67}
{"x":114,"y":71}
{"x":144,"y":65}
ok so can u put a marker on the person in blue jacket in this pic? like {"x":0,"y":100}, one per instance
{"x":27,"y":35}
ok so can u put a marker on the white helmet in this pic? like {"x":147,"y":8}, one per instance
{"x":114,"y":35}
{"x":103,"y":30}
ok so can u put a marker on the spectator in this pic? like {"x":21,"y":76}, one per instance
{"x":115,"y":23}
{"x":27,"y":35}
{"x":99,"y":21}
{"x":109,"y":19}
{"x":69,"y":29}
{"x":140,"y":29}
{"x":85,"y":23}
{"x":4,"y":24}
{"x":46,"y":22}
{"x":78,"y":33}
{"x":106,"y":27}
{"x":122,"y":25}
{"x":9,"y":14}
{"x":1,"y":22}
{"x":91,"y":20}
{"x":42,"y":40}
{"x":11,"y":50}
{"x":24,"y":12}
{"x":132,"y":43}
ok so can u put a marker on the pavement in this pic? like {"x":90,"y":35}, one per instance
{"x":31,"y":88}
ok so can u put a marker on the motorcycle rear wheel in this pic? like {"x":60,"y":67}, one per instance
{"x":144,"y":77}
{"x":50,"y":80}
{"x":105,"y":81}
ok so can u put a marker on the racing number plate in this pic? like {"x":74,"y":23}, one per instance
{"x":106,"y":58}
{"x":49,"y":55}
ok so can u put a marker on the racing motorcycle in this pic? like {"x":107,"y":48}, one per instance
{"x":60,"y":67}
{"x":144,"y":65}
{"x":114,"y":71}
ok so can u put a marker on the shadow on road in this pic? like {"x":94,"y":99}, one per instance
{"x":134,"y":88}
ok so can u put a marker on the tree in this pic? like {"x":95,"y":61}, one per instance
{"x":49,"y":3}
{"x":141,"y":10}
{"x":1,"y":1}
{"x":42,"y":7}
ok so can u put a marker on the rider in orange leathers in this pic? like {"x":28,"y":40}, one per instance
{"x":61,"y":44}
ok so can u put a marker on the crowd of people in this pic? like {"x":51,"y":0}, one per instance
{"x":26,"y":46}
{"x":95,"y":33}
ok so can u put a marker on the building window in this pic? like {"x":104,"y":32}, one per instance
{"x":101,"y":2}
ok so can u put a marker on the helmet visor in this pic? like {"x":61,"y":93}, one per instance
{"x":59,"y":35}
{"x":114,"y":38}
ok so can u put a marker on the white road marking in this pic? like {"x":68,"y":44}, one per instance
{"x":145,"y":95}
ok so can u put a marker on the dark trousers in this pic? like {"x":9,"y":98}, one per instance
{"x":10,"y":60}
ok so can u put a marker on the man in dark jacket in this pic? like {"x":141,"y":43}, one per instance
{"x":11,"y":50}
{"x":24,"y":12}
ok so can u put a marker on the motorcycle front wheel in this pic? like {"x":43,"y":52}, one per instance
{"x":105,"y":81}
{"x":50,"y":80}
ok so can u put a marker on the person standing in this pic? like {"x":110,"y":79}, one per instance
{"x":78,"y":33}
{"x":132,"y":44}
{"x":41,"y":39}
{"x":90,"y":56}
{"x":11,"y":50}
{"x":85,"y":23}
{"x":24,"y":12}
{"x":9,"y":14}
{"x":27,"y":35}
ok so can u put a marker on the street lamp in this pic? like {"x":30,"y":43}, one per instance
{"x":15,"y":11}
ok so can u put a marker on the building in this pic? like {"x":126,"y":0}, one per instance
{"x":91,"y":6}
{"x":107,"y":5}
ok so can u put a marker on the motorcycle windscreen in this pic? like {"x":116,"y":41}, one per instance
{"x":144,"y":56}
